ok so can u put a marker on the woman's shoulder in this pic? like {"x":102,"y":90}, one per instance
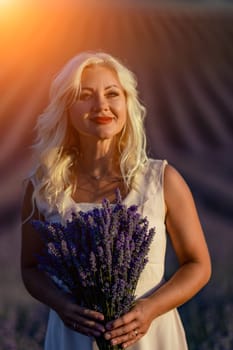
{"x":152,"y":172}
{"x":155,"y":166}
{"x":27,"y":207}
{"x":30,"y":208}
{"x":167,"y":174}
{"x":176,"y":189}
{"x":170,"y":171}
{"x":173,"y":177}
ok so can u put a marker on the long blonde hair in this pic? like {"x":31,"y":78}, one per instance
{"x":52,"y":174}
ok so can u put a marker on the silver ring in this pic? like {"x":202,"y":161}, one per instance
{"x":135,"y":332}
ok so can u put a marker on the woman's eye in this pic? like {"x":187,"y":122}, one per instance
{"x":112,"y":94}
{"x":84,"y":96}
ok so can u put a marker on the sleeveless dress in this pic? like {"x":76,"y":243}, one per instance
{"x":166,"y":331}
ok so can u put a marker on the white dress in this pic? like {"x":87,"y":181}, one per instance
{"x":166,"y":331}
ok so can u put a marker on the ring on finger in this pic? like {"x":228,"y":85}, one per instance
{"x":135,"y":332}
{"x":74,"y":325}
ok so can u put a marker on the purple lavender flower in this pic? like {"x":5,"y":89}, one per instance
{"x":98,"y":256}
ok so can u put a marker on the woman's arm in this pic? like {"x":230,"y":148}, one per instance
{"x":41,"y":287}
{"x":188,"y":241}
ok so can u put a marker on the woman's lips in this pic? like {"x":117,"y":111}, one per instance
{"x":102,"y":120}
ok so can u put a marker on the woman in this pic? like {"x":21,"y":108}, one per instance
{"x":91,"y":141}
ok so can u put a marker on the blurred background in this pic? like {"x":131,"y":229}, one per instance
{"x":182,"y":54}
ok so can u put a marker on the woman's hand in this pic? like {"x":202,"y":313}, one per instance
{"x":81,"y":319}
{"x":132,"y":326}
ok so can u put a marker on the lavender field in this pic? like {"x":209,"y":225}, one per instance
{"x":183,"y":59}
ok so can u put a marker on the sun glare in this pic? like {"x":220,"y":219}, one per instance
{"x":6,"y":2}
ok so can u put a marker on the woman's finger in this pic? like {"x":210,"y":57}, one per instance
{"x":87,"y":326}
{"x":126,"y":339}
{"x":121,"y":321}
{"x":84,"y":330}
{"x":129,"y":342}
{"x":89,"y":313}
{"x":89,"y":323}
{"x":123,"y":333}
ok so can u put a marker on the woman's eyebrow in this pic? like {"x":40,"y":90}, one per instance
{"x":86,"y":88}
{"x":107,"y":87}
{"x":111,"y":86}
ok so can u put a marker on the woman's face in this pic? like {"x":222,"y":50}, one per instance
{"x":100,"y":110}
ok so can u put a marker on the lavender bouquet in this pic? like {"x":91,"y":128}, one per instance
{"x":98,"y":256}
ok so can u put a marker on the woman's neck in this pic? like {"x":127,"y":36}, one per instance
{"x":98,"y":159}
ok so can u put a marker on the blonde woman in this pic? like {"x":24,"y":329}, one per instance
{"x":90,"y":141}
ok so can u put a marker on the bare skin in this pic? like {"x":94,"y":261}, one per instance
{"x":98,"y":157}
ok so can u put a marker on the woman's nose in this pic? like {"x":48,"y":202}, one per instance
{"x":99,"y":103}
